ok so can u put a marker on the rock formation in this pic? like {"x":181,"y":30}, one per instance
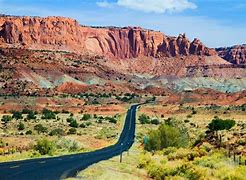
{"x":235,"y":54}
{"x":59,"y":33}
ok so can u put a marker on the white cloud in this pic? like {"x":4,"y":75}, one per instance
{"x":157,"y":6}
{"x":104,"y":4}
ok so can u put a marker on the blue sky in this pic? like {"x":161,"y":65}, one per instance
{"x":215,"y":22}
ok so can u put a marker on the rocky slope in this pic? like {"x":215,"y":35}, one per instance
{"x":235,"y":54}
{"x":58,"y":33}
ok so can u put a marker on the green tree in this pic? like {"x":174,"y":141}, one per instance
{"x":218,"y":124}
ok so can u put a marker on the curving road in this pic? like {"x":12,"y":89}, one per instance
{"x":68,"y":166}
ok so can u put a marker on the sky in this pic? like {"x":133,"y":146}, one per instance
{"x":217,"y":23}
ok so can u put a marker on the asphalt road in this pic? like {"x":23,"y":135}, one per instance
{"x":68,"y":166}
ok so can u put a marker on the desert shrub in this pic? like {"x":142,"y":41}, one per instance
{"x":74,"y":124}
{"x":220,"y":124}
{"x":155,"y":121}
{"x":72,"y":131}
{"x":111,"y":120}
{"x":86,"y":117}
{"x":237,"y":173}
{"x":17,"y":115}
{"x":6,"y":118}
{"x":29,"y":132}
{"x":106,"y":133}
{"x":169,"y":150}
{"x":40,"y":128}
{"x":88,"y":123}
{"x":82,"y":125}
{"x":57,"y":132}
{"x":167,"y":136}
{"x":44,"y":146}
{"x":26,"y":111}
{"x":48,"y":114}
{"x":144,"y":119}
{"x":213,"y":162}
{"x":70,"y":119}
{"x":21,"y":126}
{"x":2,"y":144}
{"x":144,"y":160}
{"x":31,"y":115}
{"x":67,"y":144}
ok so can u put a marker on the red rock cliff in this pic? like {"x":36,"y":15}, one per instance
{"x":235,"y":54}
{"x":58,"y":33}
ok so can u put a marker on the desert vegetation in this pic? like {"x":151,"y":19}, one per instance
{"x":29,"y":134}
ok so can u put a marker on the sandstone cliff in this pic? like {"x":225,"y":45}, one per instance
{"x":235,"y":54}
{"x":58,"y":33}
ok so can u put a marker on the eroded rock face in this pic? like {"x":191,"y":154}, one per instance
{"x":235,"y":54}
{"x":58,"y":33}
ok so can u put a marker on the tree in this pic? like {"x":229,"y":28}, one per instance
{"x":21,"y":126}
{"x":17,"y":115}
{"x":6,"y":118}
{"x":144,"y":119}
{"x":218,"y":124}
{"x":44,"y":146}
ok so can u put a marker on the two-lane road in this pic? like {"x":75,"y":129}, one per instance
{"x":67,"y":166}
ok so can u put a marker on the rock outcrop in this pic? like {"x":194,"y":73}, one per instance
{"x":59,"y":33}
{"x":235,"y":54}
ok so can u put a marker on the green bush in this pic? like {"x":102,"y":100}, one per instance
{"x":40,"y":128}
{"x":6,"y":118}
{"x":29,"y":132}
{"x":57,"y":132}
{"x":48,"y":114}
{"x":17,"y":115}
{"x":67,"y":144}
{"x":155,"y":121}
{"x":144,"y":119}
{"x":44,"y":146}
{"x":72,"y":131}
{"x":82,"y":125}
{"x":31,"y":115}
{"x":21,"y":126}
{"x":74,"y":124}
{"x":220,"y":124}
{"x":167,"y":136}
{"x":86,"y":117}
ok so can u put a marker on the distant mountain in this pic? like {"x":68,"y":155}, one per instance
{"x":235,"y":54}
